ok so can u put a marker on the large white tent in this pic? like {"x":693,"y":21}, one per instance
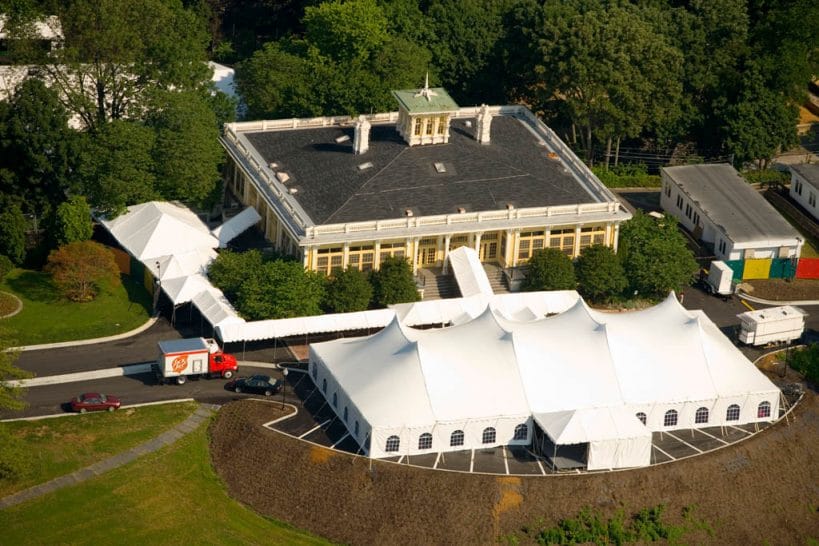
{"x":584,"y":377}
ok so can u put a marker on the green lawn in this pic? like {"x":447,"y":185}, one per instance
{"x":47,"y":318}
{"x":172,"y":496}
{"x":62,"y":445}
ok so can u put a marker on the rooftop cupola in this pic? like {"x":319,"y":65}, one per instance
{"x":424,"y":114}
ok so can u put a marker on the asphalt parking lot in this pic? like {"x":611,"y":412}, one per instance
{"x":315,"y":421}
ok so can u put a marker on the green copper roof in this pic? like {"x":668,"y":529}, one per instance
{"x":439,"y":101}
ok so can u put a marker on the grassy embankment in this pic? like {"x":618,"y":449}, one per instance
{"x":60,"y":446}
{"x":47,"y":318}
{"x":172,"y":496}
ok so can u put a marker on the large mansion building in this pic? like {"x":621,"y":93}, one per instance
{"x":347,"y":192}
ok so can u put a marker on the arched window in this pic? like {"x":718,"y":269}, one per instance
{"x":488,"y":435}
{"x":642,"y":417}
{"x":345,"y":414}
{"x":335,"y":399}
{"x":457,"y":438}
{"x":324,"y":385}
{"x":733,"y":413}
{"x":521,"y":431}
{"x":356,"y":429}
{"x":315,"y":372}
{"x":701,"y":416}
{"x":670,"y":419}
{"x":425,"y":441}
{"x":764,"y":409}
{"x":393,"y":443}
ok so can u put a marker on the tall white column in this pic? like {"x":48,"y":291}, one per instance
{"x":616,"y":236}
{"x":447,"y":239}
{"x":415,"y":242}
{"x":377,"y":255}
{"x":576,"y":249}
{"x":345,"y":256}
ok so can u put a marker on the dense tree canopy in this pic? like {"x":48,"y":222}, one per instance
{"x":73,"y":222}
{"x":655,"y":256}
{"x":600,"y":274}
{"x":347,"y":291}
{"x":394,"y":282}
{"x":549,"y":269}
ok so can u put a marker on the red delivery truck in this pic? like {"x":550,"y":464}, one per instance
{"x":179,"y":358}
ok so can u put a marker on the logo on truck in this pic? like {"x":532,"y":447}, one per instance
{"x":179,"y":363}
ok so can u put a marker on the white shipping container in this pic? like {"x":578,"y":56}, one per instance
{"x":773,"y":325}
{"x":720,"y":277}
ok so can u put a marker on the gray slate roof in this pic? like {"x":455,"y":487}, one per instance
{"x":731,"y":203}
{"x":513,"y":168}
{"x":809,"y":172}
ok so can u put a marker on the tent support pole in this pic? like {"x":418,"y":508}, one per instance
{"x":244,"y":344}
{"x":275,"y":339}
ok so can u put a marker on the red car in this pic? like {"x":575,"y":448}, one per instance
{"x":92,"y":401}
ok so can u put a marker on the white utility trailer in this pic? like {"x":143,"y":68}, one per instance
{"x":773,"y":325}
{"x":720,"y":279}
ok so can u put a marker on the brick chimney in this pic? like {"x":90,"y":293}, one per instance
{"x":484,"y":122}
{"x":361,"y":140}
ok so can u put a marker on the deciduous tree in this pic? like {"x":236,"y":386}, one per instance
{"x":348,"y":290}
{"x":393,"y":282}
{"x":12,"y":232}
{"x":80,"y":269}
{"x":73,"y":222}
{"x":549,"y":269}
{"x":655,"y":256}
{"x":283,"y":290}
{"x":600,"y":275}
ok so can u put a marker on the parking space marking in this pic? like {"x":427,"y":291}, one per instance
{"x":505,"y":460}
{"x":684,"y":442}
{"x":401,"y":458}
{"x":437,"y":458}
{"x":342,"y":439}
{"x":664,"y":453}
{"x":746,"y":304}
{"x":472,"y":461}
{"x":712,"y":436}
{"x":542,"y":470}
{"x":315,"y":428}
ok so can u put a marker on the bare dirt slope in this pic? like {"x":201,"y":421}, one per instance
{"x":764,"y":489}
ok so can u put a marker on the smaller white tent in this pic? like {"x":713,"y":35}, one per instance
{"x":184,"y":289}
{"x":616,"y":438}
{"x":235,"y":226}
{"x":195,"y":262}
{"x":159,"y":228}
{"x":215,"y":307}
{"x":469,"y":273}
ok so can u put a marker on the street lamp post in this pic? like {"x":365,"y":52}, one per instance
{"x":158,"y":287}
{"x":284,"y":385}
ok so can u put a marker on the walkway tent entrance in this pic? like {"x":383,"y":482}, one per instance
{"x":614,"y":436}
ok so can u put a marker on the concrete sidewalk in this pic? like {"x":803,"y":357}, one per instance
{"x":190,"y":424}
{"x":775,"y":303}
{"x":78,"y":342}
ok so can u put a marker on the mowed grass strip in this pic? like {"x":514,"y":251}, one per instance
{"x":62,"y":445}
{"x":46,"y":317}
{"x":172,"y":496}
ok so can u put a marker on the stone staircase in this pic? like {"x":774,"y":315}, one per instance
{"x":437,"y":285}
{"x":496,"y":278}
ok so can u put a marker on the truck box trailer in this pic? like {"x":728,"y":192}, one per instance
{"x":180,"y":358}
{"x":773,"y":325}
{"x":720,"y":279}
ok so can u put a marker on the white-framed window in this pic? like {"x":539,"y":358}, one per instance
{"x":488,"y":436}
{"x":521,"y":432}
{"x":701,"y":416}
{"x":456,"y":438}
{"x":733,"y":413}
{"x":764,"y":410}
{"x":393,"y":444}
{"x":670,"y":419}
{"x":425,"y":441}
{"x":642,"y":417}
{"x":688,"y":210}
{"x":799,"y":187}
{"x":722,"y":247}
{"x":696,"y":218}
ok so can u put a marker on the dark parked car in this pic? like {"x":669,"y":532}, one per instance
{"x":261,"y":384}
{"x":93,"y":401}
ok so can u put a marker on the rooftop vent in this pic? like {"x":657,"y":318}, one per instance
{"x":408,"y":212}
{"x":273,"y":165}
{"x":553,"y":156}
{"x":342,"y":138}
{"x":468,"y":123}
{"x":509,"y":206}
{"x":440,"y":168}
{"x":283,"y":177}
{"x":294,"y":191}
{"x":365,"y":166}
{"x":461,"y":210}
